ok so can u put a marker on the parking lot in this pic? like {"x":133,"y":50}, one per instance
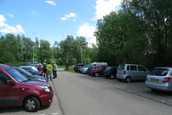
{"x":138,"y":88}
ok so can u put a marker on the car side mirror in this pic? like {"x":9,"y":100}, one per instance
{"x":10,"y":82}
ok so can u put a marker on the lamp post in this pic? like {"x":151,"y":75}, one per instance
{"x":81,"y":56}
{"x":33,"y":53}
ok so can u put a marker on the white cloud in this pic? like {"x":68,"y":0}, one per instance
{"x":87,"y":31}
{"x":35,"y":13}
{"x":70,"y":15}
{"x":50,"y":2}
{"x":12,"y":16}
{"x":2,"y":21}
{"x":104,"y":7}
{"x":5,"y":28}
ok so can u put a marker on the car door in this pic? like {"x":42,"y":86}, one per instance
{"x":142,"y":72}
{"x":133,"y":72}
{"x":9,"y":95}
{"x":100,"y":70}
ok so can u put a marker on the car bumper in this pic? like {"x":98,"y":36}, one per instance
{"x":46,"y":99}
{"x":83,"y":71}
{"x":160,"y":87}
{"x":122,"y":77}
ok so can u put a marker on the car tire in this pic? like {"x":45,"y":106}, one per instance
{"x":128,"y":79}
{"x":154,"y":90}
{"x":112,"y":77}
{"x":32,"y":104}
{"x":96,"y":75}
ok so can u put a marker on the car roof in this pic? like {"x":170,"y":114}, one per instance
{"x":5,"y":67}
{"x":102,"y":65}
{"x":33,"y":67}
{"x":163,"y":68}
{"x":129,"y":64}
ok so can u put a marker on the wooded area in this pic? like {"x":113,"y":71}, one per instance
{"x":140,"y":32}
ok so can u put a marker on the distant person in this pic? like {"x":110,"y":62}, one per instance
{"x":40,"y":67}
{"x":54,"y":70}
{"x":49,"y":71}
{"x":45,"y":69}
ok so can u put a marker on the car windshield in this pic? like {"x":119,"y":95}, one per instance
{"x":23,"y":70}
{"x":16,"y":75}
{"x":159,"y":72}
{"x":108,"y":68}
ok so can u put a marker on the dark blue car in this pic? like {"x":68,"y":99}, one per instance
{"x":29,"y":75}
{"x":110,"y":72}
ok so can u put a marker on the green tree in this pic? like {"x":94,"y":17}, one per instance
{"x":45,"y":51}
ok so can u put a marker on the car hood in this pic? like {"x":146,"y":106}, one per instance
{"x":40,"y":83}
{"x":38,"y":76}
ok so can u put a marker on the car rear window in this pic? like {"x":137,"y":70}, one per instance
{"x":121,"y":67}
{"x":159,"y":72}
{"x":109,"y":68}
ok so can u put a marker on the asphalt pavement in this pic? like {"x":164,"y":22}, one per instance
{"x":80,"y":94}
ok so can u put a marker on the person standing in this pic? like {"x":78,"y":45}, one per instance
{"x":45,"y":69}
{"x":49,"y":71}
{"x":54,"y":70}
{"x":40,"y":67}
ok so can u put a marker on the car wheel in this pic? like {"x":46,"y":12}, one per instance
{"x":128,"y":79}
{"x":31,"y":104}
{"x":112,"y":76}
{"x":96,"y":75}
{"x":153,"y":90}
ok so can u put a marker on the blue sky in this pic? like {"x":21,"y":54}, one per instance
{"x":53,"y":20}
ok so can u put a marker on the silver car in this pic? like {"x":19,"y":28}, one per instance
{"x":84,"y":69}
{"x":160,"y":79}
{"x":129,"y":72}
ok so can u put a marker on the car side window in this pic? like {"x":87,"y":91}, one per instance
{"x":133,"y":68}
{"x":99,"y":67}
{"x":141,"y":68}
{"x":128,"y":67}
{"x":3,"y":79}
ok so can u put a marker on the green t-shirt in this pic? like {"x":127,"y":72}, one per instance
{"x":49,"y":67}
{"x":54,"y":67}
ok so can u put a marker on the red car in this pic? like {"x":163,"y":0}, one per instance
{"x":98,"y":70}
{"x":16,"y":90}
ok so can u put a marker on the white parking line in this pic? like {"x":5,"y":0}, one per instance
{"x":54,"y":113}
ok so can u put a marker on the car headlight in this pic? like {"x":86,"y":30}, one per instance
{"x":46,"y":89}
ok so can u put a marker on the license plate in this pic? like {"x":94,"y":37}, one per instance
{"x":119,"y":76}
{"x":156,"y":80}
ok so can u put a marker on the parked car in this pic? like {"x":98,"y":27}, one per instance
{"x":129,"y":72}
{"x":84,"y":69}
{"x":98,"y":70}
{"x":77,"y":67}
{"x":95,"y":64}
{"x":29,"y":75}
{"x":17,"y":90}
{"x":32,"y":70}
{"x":160,"y":79}
{"x":110,"y":72}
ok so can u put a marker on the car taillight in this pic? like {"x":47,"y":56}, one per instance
{"x":124,"y":72}
{"x":94,"y":69}
{"x":166,"y":79}
{"x":146,"y":78}
{"x":40,"y":73}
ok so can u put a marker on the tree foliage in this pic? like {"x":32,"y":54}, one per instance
{"x":19,"y":49}
{"x":139,"y":33}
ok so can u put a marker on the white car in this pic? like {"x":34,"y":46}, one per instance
{"x":160,"y":79}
